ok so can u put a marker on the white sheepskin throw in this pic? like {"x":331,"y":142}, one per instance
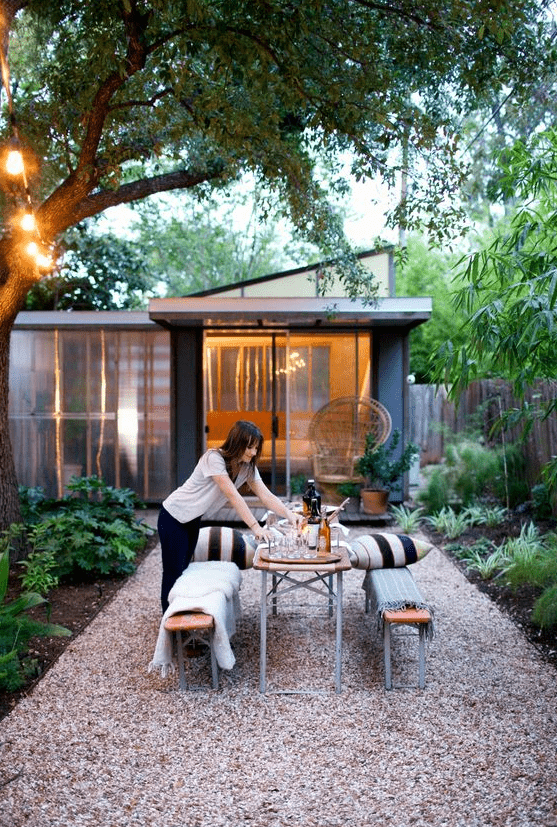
{"x":211,"y":587}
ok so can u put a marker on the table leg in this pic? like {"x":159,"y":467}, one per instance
{"x":263,"y":633}
{"x":274,"y":602}
{"x":338,"y":647}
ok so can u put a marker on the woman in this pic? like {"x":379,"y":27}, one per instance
{"x":216,"y":479}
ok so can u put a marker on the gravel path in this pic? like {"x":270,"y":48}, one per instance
{"x":102,"y":742}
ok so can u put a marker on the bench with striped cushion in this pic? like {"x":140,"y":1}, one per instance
{"x":226,"y":544}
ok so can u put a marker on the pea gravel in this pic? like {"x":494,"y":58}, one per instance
{"x":103,"y":742}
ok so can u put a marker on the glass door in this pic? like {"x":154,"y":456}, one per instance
{"x":279,"y":380}
{"x":241,"y":373}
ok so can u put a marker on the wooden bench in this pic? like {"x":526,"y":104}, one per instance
{"x":397,"y":586}
{"x":191,"y":628}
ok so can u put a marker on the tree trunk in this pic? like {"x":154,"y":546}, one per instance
{"x":9,"y":497}
{"x":16,"y":278}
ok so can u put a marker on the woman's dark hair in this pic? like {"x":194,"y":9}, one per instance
{"x":242,"y":435}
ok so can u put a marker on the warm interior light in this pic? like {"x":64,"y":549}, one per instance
{"x":32,"y":248}
{"x":28,"y":222}
{"x":14,"y":162}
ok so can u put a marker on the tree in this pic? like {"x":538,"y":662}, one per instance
{"x":98,"y":272}
{"x":424,"y":271}
{"x":116,"y":100}
{"x":509,"y":292}
{"x":198,"y":247}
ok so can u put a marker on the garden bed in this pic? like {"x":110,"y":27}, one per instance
{"x":73,"y":605}
{"x":515,"y":603}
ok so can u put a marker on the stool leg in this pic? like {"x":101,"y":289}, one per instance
{"x":387,"y":653}
{"x":422,"y":656}
{"x":366,"y":585}
{"x":214,"y":665}
{"x":181,"y":669}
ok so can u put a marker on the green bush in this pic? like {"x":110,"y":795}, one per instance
{"x":472,"y":472}
{"x":542,"y":501}
{"x":16,"y":629}
{"x":435,"y":495}
{"x":534,"y":562}
{"x":93,"y":530}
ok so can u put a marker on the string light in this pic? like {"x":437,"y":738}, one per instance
{"x":14,"y":163}
{"x":28,"y":222}
{"x":15,"y":167}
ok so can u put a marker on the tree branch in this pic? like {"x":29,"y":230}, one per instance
{"x":53,"y":222}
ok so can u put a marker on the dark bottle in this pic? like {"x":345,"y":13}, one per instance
{"x":309,"y":495}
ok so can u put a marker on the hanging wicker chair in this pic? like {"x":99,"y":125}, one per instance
{"x":337,"y":434}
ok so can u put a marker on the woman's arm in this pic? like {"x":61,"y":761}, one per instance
{"x":240,"y":506}
{"x":272,"y":502}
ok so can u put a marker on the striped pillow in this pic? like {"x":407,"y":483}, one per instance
{"x":386,"y":551}
{"x":223,"y":543}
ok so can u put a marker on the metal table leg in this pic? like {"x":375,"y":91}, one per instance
{"x":263,"y":633}
{"x":338,"y":647}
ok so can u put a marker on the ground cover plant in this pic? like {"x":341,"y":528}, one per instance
{"x":80,"y":550}
{"x":513,"y":559}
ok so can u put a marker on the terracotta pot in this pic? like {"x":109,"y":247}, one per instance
{"x":375,"y":501}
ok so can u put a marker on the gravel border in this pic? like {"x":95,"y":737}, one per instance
{"x":100,"y":741}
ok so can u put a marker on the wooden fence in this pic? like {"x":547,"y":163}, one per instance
{"x":433,"y":416}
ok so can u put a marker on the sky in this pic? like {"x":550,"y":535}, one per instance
{"x":365,"y":210}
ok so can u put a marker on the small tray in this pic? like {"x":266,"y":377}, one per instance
{"x":332,"y":557}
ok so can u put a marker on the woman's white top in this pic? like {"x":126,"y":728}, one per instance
{"x":199,"y":492}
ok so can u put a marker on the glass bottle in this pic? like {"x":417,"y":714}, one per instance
{"x":324,"y":536}
{"x":309,"y":495}
{"x":313,"y":524}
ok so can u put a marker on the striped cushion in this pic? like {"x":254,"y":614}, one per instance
{"x":223,"y":543}
{"x":386,"y":551}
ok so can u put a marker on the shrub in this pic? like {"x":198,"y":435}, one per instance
{"x":472,"y":472}
{"x":534,"y":562}
{"x":16,"y":629}
{"x":435,"y":495}
{"x":489,"y":516}
{"x":93,"y":530}
{"x":408,"y":520}
{"x":448,"y":523}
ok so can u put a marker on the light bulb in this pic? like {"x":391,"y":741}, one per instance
{"x":28,"y":222}
{"x":32,"y":249}
{"x":14,"y":162}
{"x":44,"y":262}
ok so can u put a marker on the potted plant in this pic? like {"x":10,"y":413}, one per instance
{"x":381,"y":471}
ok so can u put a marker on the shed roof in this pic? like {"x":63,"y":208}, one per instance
{"x":208,"y":311}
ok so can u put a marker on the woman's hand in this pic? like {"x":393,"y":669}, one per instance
{"x":261,"y":534}
{"x":294,"y":518}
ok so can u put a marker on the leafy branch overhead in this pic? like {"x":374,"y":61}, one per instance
{"x":124,"y":100}
{"x":508,"y":297}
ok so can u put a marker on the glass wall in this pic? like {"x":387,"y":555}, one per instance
{"x":91,"y":402}
{"x":279,"y":381}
